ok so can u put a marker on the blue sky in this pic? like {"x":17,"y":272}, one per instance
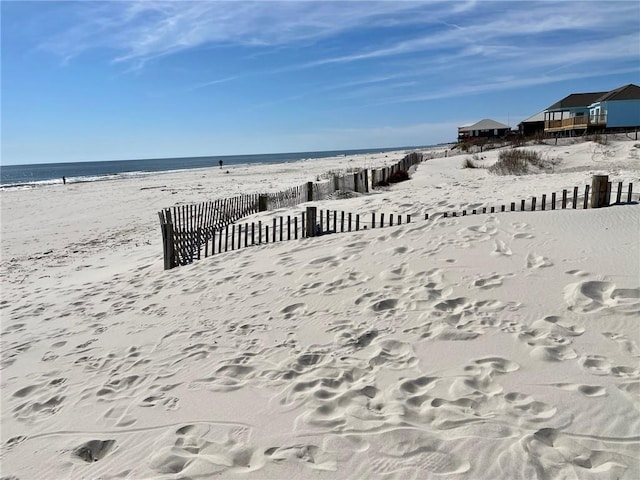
{"x":85,"y":81}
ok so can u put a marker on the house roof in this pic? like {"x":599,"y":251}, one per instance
{"x":538,"y":117}
{"x":626,"y":92}
{"x":486,"y":124}
{"x":577,"y":100}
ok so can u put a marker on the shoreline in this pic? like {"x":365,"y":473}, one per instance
{"x":260,"y":159}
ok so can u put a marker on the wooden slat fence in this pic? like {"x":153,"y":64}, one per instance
{"x":293,"y":227}
{"x":289,"y":198}
{"x":381,"y":176}
{"x":234,"y":236}
{"x":572,"y":198}
{"x":186,"y":229}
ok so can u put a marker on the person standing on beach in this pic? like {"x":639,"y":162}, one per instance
{"x":220,"y":163}
{"x":64,"y":180}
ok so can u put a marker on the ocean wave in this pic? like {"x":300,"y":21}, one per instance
{"x":22,"y":185}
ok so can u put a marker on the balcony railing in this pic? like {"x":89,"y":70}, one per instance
{"x":575,"y":123}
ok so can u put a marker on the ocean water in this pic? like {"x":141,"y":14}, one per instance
{"x":30,"y":176}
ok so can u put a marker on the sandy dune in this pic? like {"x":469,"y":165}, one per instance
{"x":500,"y":346}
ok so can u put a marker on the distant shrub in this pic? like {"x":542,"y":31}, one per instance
{"x":469,"y":163}
{"x":599,"y":138}
{"x":539,"y":138}
{"x":516,"y":141}
{"x":516,"y":162}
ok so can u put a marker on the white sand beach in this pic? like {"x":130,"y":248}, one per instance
{"x":496,"y":346}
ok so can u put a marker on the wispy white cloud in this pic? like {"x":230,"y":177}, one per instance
{"x":142,"y":30}
{"x":502,"y":84}
{"x":498,"y":33}
{"x":469,"y":47}
{"x":209,"y":83}
{"x":483,"y":68}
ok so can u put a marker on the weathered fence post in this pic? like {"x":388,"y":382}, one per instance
{"x":310,"y":231}
{"x":585,"y":203}
{"x":599,"y":190}
{"x":619,"y":194}
{"x":263,"y":203}
{"x":309,"y":191}
{"x":168,"y":239}
{"x":169,"y":258}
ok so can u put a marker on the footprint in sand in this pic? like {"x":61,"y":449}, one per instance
{"x":546,"y":345}
{"x":402,"y":449}
{"x":593,"y":296}
{"x":520,"y":236}
{"x":343,"y":447}
{"x":94,"y":450}
{"x":600,"y":365}
{"x":40,"y":400}
{"x":325,"y":262}
{"x":229,"y":375}
{"x":558,"y":353}
{"x":577,"y":273}
{"x":379,"y":303}
{"x":120,"y":387}
{"x":399,"y":274}
{"x":492,"y":281}
{"x":393,"y":354}
{"x":294,"y":310}
{"x":209,"y":449}
{"x":310,"y":455}
{"x":632,"y":388}
{"x":501,"y":248}
{"x":550,"y":449}
{"x":538,"y":261}
{"x":586,"y":390}
{"x":564,"y":328}
{"x":625,"y":343}
{"x":437,"y":463}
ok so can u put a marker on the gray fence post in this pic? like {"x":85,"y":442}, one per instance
{"x":599,"y":191}
{"x":169,"y":252}
{"x":263,"y":203}
{"x":309,"y":191}
{"x":310,"y":231}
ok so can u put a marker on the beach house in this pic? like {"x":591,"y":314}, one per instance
{"x":532,"y":126}
{"x":483,"y":129}
{"x":580,"y":112}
